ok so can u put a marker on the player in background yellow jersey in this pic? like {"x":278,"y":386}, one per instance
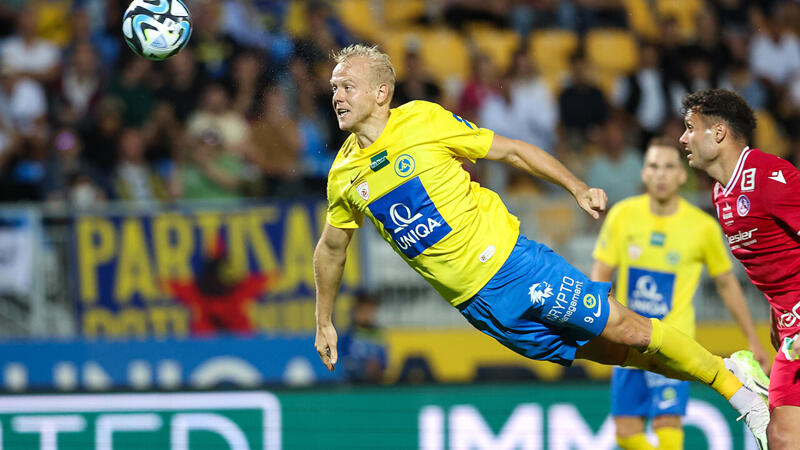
{"x":658,"y":243}
{"x":401,"y":169}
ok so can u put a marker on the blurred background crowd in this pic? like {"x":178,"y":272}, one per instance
{"x":244,"y":110}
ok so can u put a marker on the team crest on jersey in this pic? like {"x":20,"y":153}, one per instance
{"x":363,"y":190}
{"x":742,"y":205}
{"x":404,"y":165}
{"x":634,"y":252}
{"x":673,"y":258}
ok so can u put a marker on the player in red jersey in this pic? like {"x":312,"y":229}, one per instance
{"x":757,"y":198}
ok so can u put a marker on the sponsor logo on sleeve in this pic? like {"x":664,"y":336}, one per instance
{"x":540,"y":292}
{"x":777,"y":176}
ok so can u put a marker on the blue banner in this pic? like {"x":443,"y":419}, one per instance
{"x":195,"y":363}
{"x":201,"y":271}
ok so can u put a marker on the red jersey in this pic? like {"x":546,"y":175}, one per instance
{"x":759,"y":210}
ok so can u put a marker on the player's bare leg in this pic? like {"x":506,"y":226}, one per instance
{"x":633,"y":340}
{"x":783,"y":430}
{"x":630,"y":433}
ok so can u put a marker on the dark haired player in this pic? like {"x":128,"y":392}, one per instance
{"x":757,"y":198}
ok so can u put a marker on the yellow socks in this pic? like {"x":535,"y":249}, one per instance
{"x":684,"y":355}
{"x":635,"y":442}
{"x":669,"y":438}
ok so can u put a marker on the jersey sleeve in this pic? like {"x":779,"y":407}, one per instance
{"x":781,"y":197}
{"x":606,"y":249}
{"x":461,"y":136}
{"x":341,"y":214}
{"x":715,"y":250}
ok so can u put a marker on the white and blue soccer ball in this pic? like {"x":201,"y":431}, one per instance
{"x":157,"y":29}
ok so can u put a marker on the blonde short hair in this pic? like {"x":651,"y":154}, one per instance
{"x":379,"y":62}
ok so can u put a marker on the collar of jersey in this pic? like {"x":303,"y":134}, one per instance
{"x":737,"y":171}
{"x":373,"y":148}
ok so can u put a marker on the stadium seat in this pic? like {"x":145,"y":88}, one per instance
{"x":551,"y":49}
{"x":684,"y":11}
{"x":612,"y":50}
{"x":401,"y":12}
{"x":498,"y":44}
{"x":443,"y":51}
{"x":360,"y":17}
{"x":641,"y":18}
{"x":394,"y":43}
{"x":768,"y":136}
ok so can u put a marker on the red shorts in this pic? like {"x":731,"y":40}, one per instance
{"x":784,"y":382}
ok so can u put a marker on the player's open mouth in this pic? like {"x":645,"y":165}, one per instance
{"x":341,"y":112}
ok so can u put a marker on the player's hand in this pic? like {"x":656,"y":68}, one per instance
{"x":760,"y":355}
{"x":592,"y":200}
{"x":325,"y":344}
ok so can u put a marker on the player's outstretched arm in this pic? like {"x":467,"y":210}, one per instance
{"x":329,"y":259}
{"x":731,"y":293}
{"x":539,"y":163}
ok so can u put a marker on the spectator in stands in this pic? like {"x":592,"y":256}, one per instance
{"x":644,"y":94}
{"x":363,"y":347}
{"x":740,"y":79}
{"x":258,"y":25}
{"x":581,"y":103}
{"x":213,"y":49}
{"x":615,"y":164}
{"x":101,"y":136}
{"x":133,"y":88}
{"x":79,"y":86}
{"x":24,"y":102}
{"x":417,"y":84}
{"x":183,"y":84}
{"x":29,"y":55}
{"x":217,"y":116}
{"x":710,"y":46}
{"x":215,"y":168}
{"x":672,"y":50}
{"x":206,"y":171}
{"x":88,"y":28}
{"x":457,"y":13}
{"x":277,"y":143}
{"x":733,"y":15}
{"x":775,"y":53}
{"x":599,"y":14}
{"x":247,"y":81}
{"x":324,"y":34}
{"x":522,"y":107}
{"x":316,"y":156}
{"x":69,"y":177}
{"x":480,"y":85}
{"x":133,"y":179}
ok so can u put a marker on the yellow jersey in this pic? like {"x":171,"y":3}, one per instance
{"x":659,"y":259}
{"x":411,"y":184}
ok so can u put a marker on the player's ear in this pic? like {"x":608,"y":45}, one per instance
{"x":383,"y":94}
{"x":720,"y":131}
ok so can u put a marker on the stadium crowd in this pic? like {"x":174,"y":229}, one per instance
{"x":244,"y":110}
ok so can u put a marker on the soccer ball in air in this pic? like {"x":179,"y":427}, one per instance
{"x":157,"y":29}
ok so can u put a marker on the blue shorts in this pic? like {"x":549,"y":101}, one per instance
{"x":540,"y":306}
{"x":639,"y":393}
